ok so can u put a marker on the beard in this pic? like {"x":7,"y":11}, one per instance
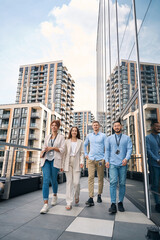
{"x":117,"y":131}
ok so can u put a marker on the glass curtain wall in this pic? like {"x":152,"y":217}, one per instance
{"x":132,"y":92}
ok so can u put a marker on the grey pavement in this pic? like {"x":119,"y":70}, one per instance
{"x":20,"y":218}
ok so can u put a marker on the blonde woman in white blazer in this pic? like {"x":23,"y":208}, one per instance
{"x":51,"y":162}
{"x":73,"y":161}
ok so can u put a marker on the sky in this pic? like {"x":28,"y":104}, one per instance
{"x":35,"y":31}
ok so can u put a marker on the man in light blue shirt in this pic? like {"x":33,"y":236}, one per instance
{"x":153,"y":153}
{"x":117,"y":155}
{"x":95,"y":161}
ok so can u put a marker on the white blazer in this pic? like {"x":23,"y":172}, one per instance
{"x":79,"y":155}
{"x":59,"y":143}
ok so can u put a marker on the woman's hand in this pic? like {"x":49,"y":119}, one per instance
{"x":47,"y":149}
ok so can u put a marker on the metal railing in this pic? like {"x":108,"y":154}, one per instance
{"x":17,"y":165}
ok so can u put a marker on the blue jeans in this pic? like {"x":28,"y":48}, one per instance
{"x":116,"y":172}
{"x":49,"y":175}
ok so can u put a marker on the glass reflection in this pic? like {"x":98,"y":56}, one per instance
{"x":153,"y":153}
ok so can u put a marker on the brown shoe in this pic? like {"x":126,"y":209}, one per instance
{"x":76,"y":200}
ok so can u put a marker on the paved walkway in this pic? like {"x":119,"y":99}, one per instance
{"x":20,"y":219}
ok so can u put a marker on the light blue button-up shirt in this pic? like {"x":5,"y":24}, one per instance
{"x":153,"y":149}
{"x":125,"y":149}
{"x":97,"y":146}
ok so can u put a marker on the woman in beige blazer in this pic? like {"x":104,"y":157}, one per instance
{"x":51,"y":162}
{"x":73,"y":161}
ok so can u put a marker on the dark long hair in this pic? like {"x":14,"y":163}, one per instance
{"x":70,"y":134}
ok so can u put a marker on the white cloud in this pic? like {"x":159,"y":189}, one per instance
{"x":71,"y":34}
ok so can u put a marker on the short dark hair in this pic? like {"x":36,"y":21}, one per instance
{"x":117,"y":121}
{"x":154,"y":122}
{"x":95,"y":122}
{"x":70,"y":133}
{"x":57,"y":122}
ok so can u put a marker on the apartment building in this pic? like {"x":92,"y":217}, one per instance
{"x":27,"y":125}
{"x":51,"y":84}
{"x":150,"y":78}
{"x":81,"y":119}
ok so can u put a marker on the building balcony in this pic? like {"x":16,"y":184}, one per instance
{"x":150,"y":116}
{"x":3,"y":136}
{"x":63,"y":99}
{"x":62,"y":108}
{"x":62,"y":119}
{"x":1,"y":158}
{"x":33,"y":94}
{"x":14,"y":136}
{"x":30,"y":160}
{"x":32,"y":137}
{"x":4,"y":126}
{"x":4,"y":116}
{"x":35,"y":115}
{"x":34,"y":125}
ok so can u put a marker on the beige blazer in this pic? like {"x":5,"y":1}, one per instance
{"x":79,"y":155}
{"x":59,"y":143}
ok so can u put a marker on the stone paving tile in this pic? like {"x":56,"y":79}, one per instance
{"x":25,"y":233}
{"x":129,"y":231}
{"x":132,"y":217}
{"x":99,"y":211}
{"x":17,"y":217}
{"x":94,"y":226}
{"x":81,"y":236}
{"x":51,"y":221}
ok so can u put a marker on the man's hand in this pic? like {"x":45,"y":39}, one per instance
{"x":124,"y":162}
{"x":107,"y":164}
{"x":61,"y":170}
{"x":87,"y":157}
{"x":81,"y":165}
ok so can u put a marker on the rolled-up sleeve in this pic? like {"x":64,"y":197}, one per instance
{"x":85,"y":145}
{"x":129,"y":149}
{"x":107,"y":149}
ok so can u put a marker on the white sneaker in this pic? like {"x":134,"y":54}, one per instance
{"x":54,"y":200}
{"x":44,"y":209}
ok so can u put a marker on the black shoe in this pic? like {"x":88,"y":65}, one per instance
{"x":99,"y":199}
{"x":157,"y":207}
{"x":90,"y":202}
{"x":113,"y":208}
{"x":120,"y":207}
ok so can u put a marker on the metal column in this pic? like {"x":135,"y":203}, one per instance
{"x":109,"y":36}
{"x":119,"y":81}
{"x":141,"y":113}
